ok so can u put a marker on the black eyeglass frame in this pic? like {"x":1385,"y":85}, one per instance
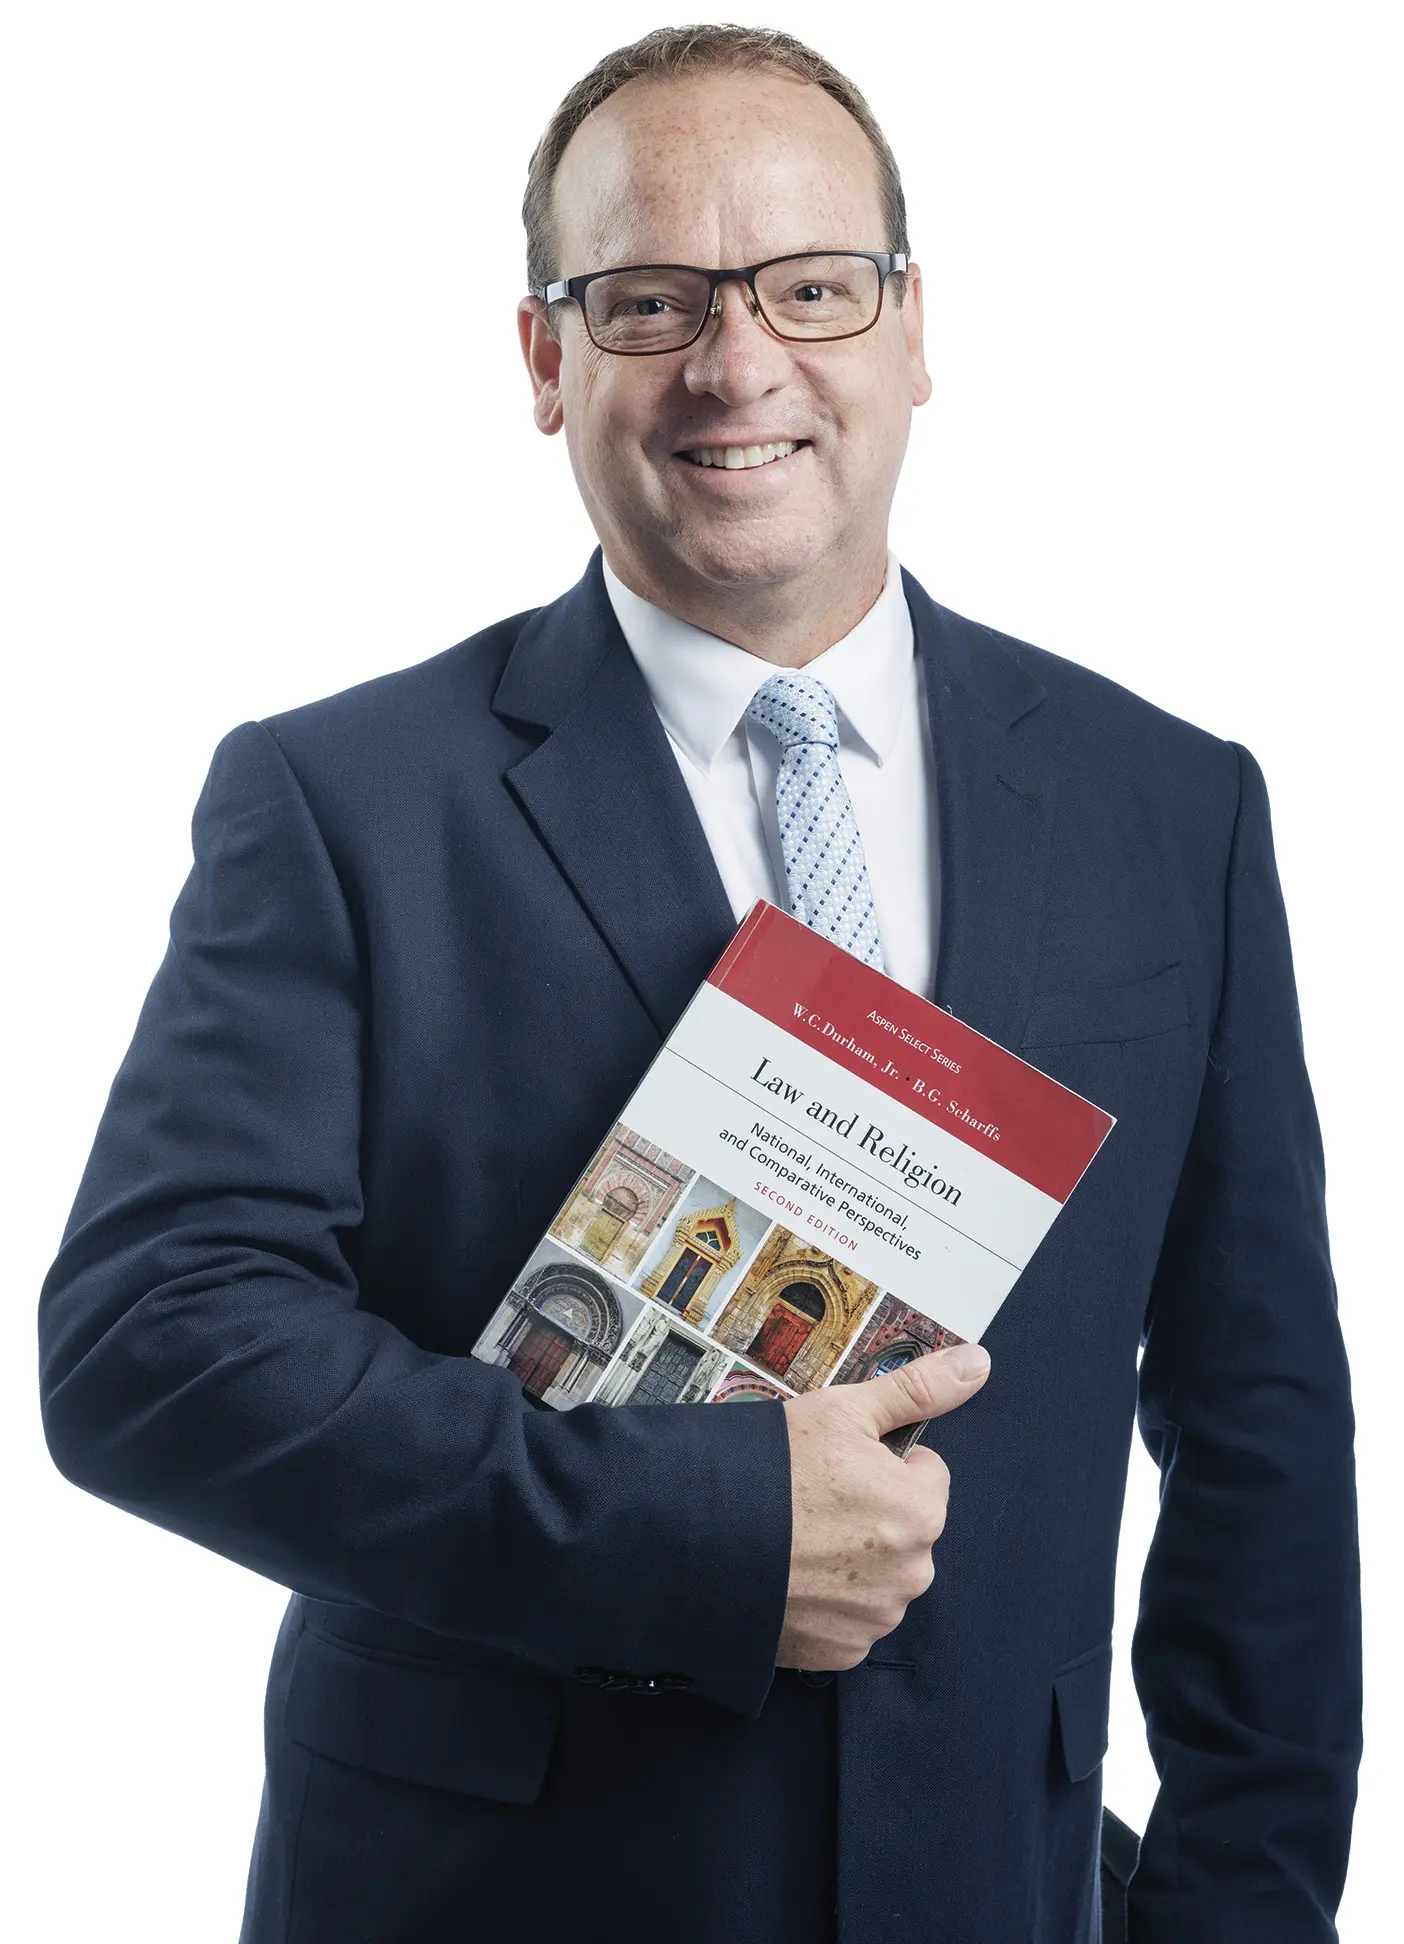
{"x":889,"y":263}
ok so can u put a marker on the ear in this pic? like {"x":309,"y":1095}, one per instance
{"x":911,"y":315}
{"x":541,"y":349}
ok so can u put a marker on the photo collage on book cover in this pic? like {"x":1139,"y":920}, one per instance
{"x":654,"y":1286}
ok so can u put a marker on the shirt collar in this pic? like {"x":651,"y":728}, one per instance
{"x":702,"y":686}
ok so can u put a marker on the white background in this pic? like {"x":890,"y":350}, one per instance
{"x":266,"y":434}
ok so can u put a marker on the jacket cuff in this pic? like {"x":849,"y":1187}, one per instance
{"x":691,"y":1575}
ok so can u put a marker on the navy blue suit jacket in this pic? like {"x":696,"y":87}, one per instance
{"x":435,"y":928}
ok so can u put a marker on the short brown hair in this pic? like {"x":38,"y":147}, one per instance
{"x":669,"y":51}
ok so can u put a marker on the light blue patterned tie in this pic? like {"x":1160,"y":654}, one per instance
{"x":825,"y":867}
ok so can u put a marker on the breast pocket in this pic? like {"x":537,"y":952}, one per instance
{"x":1101,"y":1015}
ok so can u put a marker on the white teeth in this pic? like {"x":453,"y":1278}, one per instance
{"x":738,"y":458}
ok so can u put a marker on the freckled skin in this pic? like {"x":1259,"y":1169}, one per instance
{"x":719,"y":170}
{"x":864,"y":1521}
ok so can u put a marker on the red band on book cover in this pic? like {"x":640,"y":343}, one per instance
{"x":911,"y":1050}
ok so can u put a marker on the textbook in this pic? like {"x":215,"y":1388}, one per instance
{"x":821,"y":1176}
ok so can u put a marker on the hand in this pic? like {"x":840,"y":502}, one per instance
{"x":865,"y":1520}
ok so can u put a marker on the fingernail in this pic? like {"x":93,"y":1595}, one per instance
{"x":966,"y":1361}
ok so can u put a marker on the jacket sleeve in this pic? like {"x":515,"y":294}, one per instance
{"x":1246,"y":1653}
{"x":204,"y":1362}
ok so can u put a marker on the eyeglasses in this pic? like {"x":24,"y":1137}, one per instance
{"x":645,"y":308}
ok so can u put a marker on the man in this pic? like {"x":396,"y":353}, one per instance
{"x":615,"y":1673}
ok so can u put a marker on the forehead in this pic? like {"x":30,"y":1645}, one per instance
{"x":715,"y":169}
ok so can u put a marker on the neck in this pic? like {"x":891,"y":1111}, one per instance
{"x":786,"y":623}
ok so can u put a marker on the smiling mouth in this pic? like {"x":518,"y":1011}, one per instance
{"x":739,"y":458}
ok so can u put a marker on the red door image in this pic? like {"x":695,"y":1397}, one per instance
{"x":780,"y":1338}
{"x":777,"y":1342}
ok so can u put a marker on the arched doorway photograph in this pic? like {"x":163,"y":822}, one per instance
{"x":695,"y":1263}
{"x":893,"y":1335}
{"x":620,"y":1205}
{"x":796,"y":1310}
{"x":558,"y":1327}
{"x":618,"y":1208}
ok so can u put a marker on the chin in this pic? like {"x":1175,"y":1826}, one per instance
{"x":735,"y":554}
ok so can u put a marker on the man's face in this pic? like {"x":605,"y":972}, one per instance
{"x":716,"y":171}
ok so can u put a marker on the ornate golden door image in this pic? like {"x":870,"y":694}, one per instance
{"x":706,"y":1244}
{"x":795,"y":1311}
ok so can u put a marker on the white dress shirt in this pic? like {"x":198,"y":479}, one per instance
{"x":702,"y":686}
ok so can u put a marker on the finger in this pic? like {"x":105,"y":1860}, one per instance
{"x":926,"y":1387}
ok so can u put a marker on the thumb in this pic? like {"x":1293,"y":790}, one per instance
{"x":926,"y":1387}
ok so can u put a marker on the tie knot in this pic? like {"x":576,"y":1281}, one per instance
{"x":796,"y":708}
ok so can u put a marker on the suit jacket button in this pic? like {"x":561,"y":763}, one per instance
{"x":816,"y":1676}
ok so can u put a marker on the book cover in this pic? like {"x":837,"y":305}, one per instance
{"x":821,"y":1176}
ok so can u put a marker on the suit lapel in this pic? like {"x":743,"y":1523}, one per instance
{"x":995,"y":805}
{"x":606,"y":797}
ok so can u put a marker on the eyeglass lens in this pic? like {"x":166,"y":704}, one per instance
{"x":803,"y":297}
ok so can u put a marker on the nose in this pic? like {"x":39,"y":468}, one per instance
{"x":736,"y":358}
